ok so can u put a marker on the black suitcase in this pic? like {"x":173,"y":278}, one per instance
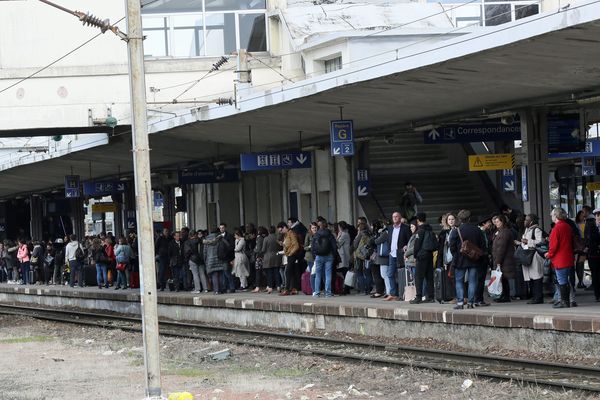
{"x":89,"y":276}
{"x":442,"y":286}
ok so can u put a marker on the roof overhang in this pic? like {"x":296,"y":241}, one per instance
{"x":551,"y":57}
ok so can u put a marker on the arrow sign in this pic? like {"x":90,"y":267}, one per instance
{"x":301,"y":158}
{"x":509,"y":186}
{"x":434,"y":134}
{"x":362,"y":182}
{"x":363,"y":191}
{"x":337,"y":151}
{"x":508,"y":180}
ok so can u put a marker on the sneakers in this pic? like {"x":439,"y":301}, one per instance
{"x":458,"y":307}
{"x":416,"y":300}
{"x":195,"y":292}
{"x":315,"y":295}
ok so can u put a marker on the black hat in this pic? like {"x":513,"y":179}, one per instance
{"x":485,"y":218}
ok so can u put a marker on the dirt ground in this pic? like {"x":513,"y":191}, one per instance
{"x":44,"y":360}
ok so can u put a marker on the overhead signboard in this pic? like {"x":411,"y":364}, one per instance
{"x":362,"y":182}
{"x":219,"y":175}
{"x":71,"y":186}
{"x":588,"y":166}
{"x":492,"y":130}
{"x":508,"y":180}
{"x":103,"y":188}
{"x":104,"y":207}
{"x":593,"y":186}
{"x":270,"y":161}
{"x":489,"y":162}
{"x":591,"y":149}
{"x":565,"y":133}
{"x":342,"y":138}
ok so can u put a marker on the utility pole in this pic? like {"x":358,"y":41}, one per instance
{"x":143,"y":185}
{"x":143,"y":194}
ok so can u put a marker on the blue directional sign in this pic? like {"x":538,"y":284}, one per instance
{"x":269,"y":161}
{"x":491,"y":130}
{"x":591,"y":149}
{"x":524,"y":186}
{"x":362,"y":182}
{"x":508,"y":180}
{"x":71,"y":186}
{"x":588,"y":166}
{"x":342,"y":138}
{"x":218,"y":175}
{"x":103,"y":188}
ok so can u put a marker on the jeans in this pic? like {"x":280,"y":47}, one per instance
{"x":564,"y":276}
{"x":309,"y":268}
{"x":386,"y":279}
{"x":323,"y":265}
{"x":102,"y":274}
{"x":228,"y":280}
{"x":121,"y":279}
{"x":391,"y":276}
{"x":377,"y":279}
{"x":76,"y":270}
{"x":215,"y":277}
{"x":25,"y":271}
{"x":364,"y":279}
{"x":471,"y":274}
{"x":199,"y":273}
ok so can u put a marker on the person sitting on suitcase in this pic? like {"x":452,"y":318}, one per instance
{"x":464,"y":265}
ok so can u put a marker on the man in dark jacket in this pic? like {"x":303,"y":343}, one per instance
{"x":161,"y":247}
{"x":398,"y":237}
{"x":227,"y":254}
{"x":176,"y":261}
{"x":324,"y":246}
{"x":424,"y":260}
{"x":464,"y":265}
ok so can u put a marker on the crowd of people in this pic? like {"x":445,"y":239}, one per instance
{"x":393,"y":260}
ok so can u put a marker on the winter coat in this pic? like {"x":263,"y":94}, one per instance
{"x":443,"y":248}
{"x":420,"y":253}
{"x":211,"y":257}
{"x":291,"y":244}
{"x":308,"y":255}
{"x":533,"y":234}
{"x":503,"y":252}
{"x":38,"y":255}
{"x":241,"y":264}
{"x":190,"y":251}
{"x":473,"y":234}
{"x":161,"y":246}
{"x":175,"y":253}
{"x":270,"y":248}
{"x":560,"y":251}
{"x":409,"y":254}
{"x":383,"y":247}
{"x":123,"y":253}
{"x":343,"y":245}
{"x":403,"y":238}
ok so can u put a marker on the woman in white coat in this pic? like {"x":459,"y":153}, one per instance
{"x":241,"y":264}
{"x":535,"y":272}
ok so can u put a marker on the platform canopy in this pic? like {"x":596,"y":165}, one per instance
{"x":544,"y":60}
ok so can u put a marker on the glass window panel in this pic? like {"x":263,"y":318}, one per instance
{"x":253,"y":35}
{"x":171,"y":6}
{"x":497,"y":14}
{"x":526,"y":10}
{"x":157,"y":35}
{"x":226,"y":5}
{"x":188,"y":37}
{"x":220,"y":34}
{"x":333,"y":65}
{"x":153,"y":22}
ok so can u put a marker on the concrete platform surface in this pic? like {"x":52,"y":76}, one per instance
{"x":583,"y":319}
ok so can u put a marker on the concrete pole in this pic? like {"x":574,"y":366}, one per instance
{"x":143,"y":201}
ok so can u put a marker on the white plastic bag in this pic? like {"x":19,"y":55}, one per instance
{"x":350,"y":279}
{"x":495,"y":285}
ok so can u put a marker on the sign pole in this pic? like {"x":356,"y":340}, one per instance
{"x":143,"y":190}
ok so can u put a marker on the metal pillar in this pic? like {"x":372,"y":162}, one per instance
{"x":143,"y":194}
{"x":36,"y":215}
{"x":535,"y":156}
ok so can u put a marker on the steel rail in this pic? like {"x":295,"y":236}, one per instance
{"x":526,"y":371}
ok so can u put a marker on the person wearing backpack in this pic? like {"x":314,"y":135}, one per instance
{"x":425,"y":244}
{"x":463,"y":265}
{"x":323,"y":246}
{"x":75,"y":257}
{"x":101,"y":260}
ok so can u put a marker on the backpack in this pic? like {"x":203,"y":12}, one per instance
{"x":101,"y":256}
{"x":323,"y":246}
{"x":363,"y":250}
{"x":79,"y":254}
{"x":429,"y":242}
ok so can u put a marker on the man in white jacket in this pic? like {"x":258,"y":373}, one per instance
{"x":75,"y":265}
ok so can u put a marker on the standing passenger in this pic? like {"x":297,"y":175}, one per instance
{"x":561,"y":254}
{"x":271,"y":259}
{"x":241,"y":264}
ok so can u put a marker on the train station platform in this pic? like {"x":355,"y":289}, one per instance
{"x":514,"y":326}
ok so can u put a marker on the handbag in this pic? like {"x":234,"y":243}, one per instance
{"x":410,"y":290}
{"x":350,"y":279}
{"x":524,"y":256}
{"x":121,"y":266}
{"x":469,"y":249}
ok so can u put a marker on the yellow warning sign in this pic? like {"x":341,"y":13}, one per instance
{"x":104,"y":207}
{"x":592,"y":186}
{"x":487,"y":162}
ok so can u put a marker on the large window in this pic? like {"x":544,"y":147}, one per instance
{"x":197,"y":28}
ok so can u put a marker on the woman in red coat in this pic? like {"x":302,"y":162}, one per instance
{"x":561,"y":254}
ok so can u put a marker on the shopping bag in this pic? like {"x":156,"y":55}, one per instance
{"x":350,"y":279}
{"x":524,"y":256}
{"x":495,"y":285}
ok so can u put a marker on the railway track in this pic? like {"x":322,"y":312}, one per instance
{"x":576,"y":377}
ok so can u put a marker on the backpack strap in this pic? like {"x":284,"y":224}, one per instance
{"x":459,"y":235}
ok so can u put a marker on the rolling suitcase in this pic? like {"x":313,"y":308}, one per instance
{"x":401,"y":281}
{"x":442,"y":286}
{"x":134,"y":279}
{"x":338,"y":284}
{"x":305,"y":283}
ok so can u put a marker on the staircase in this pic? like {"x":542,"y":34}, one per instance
{"x":437,"y":171}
